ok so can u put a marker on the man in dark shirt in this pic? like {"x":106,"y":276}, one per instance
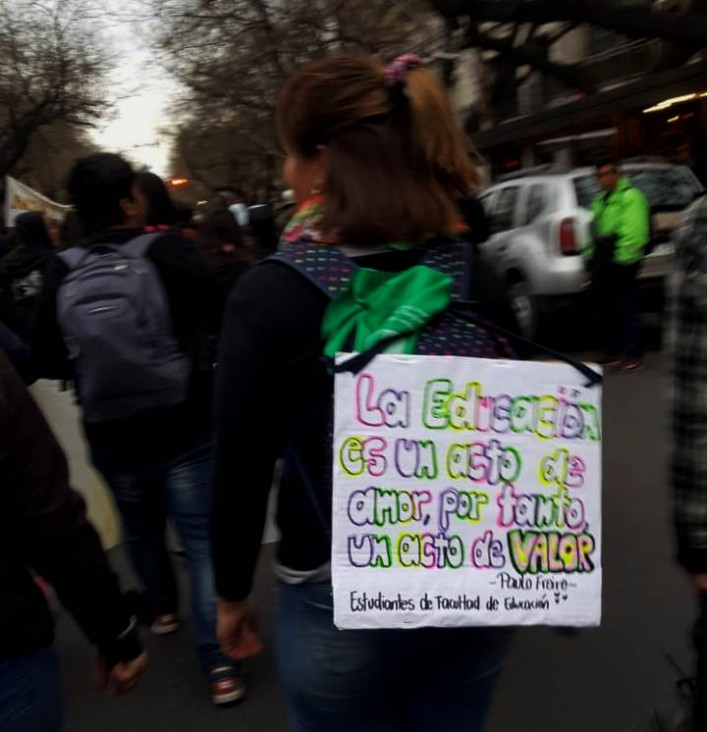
{"x":43,"y":526}
{"x":158,"y":461}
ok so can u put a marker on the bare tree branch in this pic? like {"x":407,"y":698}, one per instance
{"x":51,"y":66}
{"x":552,"y":38}
{"x":635,"y":22}
{"x":528,"y":55}
{"x":232,"y":56}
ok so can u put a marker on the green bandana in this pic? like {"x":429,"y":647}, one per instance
{"x":380,"y":304}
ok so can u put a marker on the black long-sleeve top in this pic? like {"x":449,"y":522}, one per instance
{"x":43,"y":526}
{"x":273,"y":392}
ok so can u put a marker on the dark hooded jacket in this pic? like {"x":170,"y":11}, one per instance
{"x":43,"y":527}
{"x":22,"y":274}
{"x":5,"y":246}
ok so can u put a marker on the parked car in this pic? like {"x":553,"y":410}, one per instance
{"x":540,"y":223}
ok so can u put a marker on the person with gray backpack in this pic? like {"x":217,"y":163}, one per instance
{"x":129,"y":317}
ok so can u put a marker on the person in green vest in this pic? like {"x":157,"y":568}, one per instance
{"x":621,"y":232}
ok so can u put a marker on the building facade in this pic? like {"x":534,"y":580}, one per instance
{"x":631,"y":110}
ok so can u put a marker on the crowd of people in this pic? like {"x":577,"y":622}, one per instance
{"x":173,"y":340}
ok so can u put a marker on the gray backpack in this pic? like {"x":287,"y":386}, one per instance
{"x":114,"y":314}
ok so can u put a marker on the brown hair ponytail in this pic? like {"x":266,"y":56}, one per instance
{"x":436,"y":134}
{"x":397,"y":162}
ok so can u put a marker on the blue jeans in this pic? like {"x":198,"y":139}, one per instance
{"x":426,"y":680}
{"x":180,"y":488}
{"x":30,"y":693}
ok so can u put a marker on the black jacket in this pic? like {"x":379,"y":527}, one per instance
{"x":227,"y":271}
{"x":273,"y":388}
{"x":5,"y":247}
{"x":195,"y":303}
{"x":43,"y":526}
{"x":475,"y":218}
{"x":22,"y":275}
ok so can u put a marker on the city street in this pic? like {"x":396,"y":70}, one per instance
{"x":609,"y":679}
{"x":546,"y":159}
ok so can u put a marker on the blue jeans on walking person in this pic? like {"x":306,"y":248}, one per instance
{"x":430,"y":679}
{"x":180,"y":488}
{"x":30,"y":693}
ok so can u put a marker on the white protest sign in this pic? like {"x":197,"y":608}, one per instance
{"x":20,"y":199}
{"x":466,"y":492}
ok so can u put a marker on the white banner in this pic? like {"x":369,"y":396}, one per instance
{"x":20,"y":198}
{"x":466,"y":492}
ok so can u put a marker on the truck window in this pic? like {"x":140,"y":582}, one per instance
{"x":503,"y":214}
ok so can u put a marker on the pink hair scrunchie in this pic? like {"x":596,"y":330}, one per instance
{"x":397,"y":71}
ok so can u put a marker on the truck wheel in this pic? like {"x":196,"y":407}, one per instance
{"x":524,"y":307}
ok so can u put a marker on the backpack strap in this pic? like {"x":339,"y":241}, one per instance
{"x":454,"y":257}
{"x":330,"y":270}
{"x":72,"y":257}
{"x":594,"y":378}
{"x":323,"y":265}
{"x":138,"y":246}
{"x":359,"y":361}
{"x":135,"y":248}
{"x":469,"y":264}
{"x":320,"y":513}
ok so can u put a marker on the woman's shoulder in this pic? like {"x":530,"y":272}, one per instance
{"x":275,"y":312}
{"x":278,"y":291}
{"x":268,"y":278}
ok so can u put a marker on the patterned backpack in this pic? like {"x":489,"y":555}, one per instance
{"x":456,"y":331}
{"x":453,"y":333}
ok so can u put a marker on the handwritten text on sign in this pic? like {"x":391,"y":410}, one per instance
{"x":466,"y":492}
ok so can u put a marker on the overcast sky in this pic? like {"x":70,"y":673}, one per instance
{"x":143,"y":93}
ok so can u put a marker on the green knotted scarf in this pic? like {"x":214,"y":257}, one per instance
{"x":380,"y":304}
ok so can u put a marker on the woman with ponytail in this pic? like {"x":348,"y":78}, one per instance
{"x":377,"y":164}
